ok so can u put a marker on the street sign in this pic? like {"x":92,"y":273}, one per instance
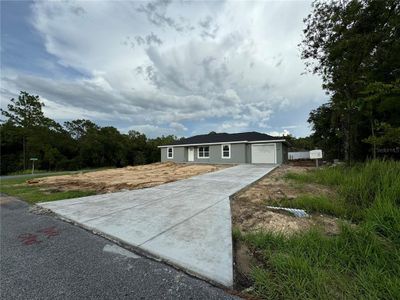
{"x":33,"y":159}
{"x":315,"y":154}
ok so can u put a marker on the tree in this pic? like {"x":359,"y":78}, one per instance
{"x":78,"y":128}
{"x":78,"y":144}
{"x":352,"y":44}
{"x":25,"y":112}
{"x":326,"y":132}
{"x":300,"y":144}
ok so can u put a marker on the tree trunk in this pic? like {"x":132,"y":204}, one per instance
{"x":347,"y":128}
{"x":374,"y":141}
{"x":346,"y":142}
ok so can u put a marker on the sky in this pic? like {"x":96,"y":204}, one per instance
{"x":162,"y":67}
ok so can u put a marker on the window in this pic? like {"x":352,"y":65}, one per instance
{"x":226,"y":151}
{"x":170,"y":152}
{"x":203,"y":152}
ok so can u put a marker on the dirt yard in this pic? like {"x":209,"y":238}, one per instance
{"x":249,"y":211}
{"x":128,"y":178}
{"x":250,"y":214}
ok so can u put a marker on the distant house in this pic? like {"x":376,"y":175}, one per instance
{"x":237,"y":148}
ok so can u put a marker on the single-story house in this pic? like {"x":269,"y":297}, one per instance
{"x":232,"y":148}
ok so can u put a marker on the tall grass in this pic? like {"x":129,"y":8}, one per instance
{"x":362,"y":261}
{"x":353,"y":265}
{"x":319,"y":203}
{"x":360,"y":186}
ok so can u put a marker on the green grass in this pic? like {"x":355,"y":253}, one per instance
{"x":356,"y":264}
{"x":361,"y":262}
{"x":33,"y":194}
{"x":320,"y":204}
{"x":26,"y":172}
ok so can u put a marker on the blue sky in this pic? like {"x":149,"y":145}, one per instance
{"x":162,"y":67}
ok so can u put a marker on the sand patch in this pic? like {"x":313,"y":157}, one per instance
{"x":128,"y":178}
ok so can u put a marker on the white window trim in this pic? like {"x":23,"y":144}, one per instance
{"x":172,"y":157}
{"x":198,"y":152}
{"x":222,"y":151}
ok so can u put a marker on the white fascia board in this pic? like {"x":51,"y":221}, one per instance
{"x":201,"y":144}
{"x":219,"y":143}
{"x":269,"y":141}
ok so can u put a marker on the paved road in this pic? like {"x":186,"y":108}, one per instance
{"x":187,"y":222}
{"x":45,"y":258}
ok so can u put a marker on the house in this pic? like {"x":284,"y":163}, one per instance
{"x":232,"y":148}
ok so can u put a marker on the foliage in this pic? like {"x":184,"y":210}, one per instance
{"x":358,"y":187}
{"x":362,"y":261}
{"x":299,"y":144}
{"x":354,"y":46}
{"x":27,"y":133}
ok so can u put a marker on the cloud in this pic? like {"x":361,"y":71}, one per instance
{"x":279,"y":133}
{"x":177,"y":126}
{"x":162,"y":64}
{"x":209,"y":30}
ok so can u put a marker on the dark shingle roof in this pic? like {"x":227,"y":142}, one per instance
{"x":226,"y":138}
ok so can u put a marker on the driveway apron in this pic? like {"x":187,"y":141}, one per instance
{"x":186,"y":223}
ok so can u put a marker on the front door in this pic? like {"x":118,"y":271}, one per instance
{"x":190,"y":154}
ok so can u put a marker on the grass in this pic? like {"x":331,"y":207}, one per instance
{"x":321,"y":204}
{"x":26,"y":172}
{"x":360,"y":262}
{"x":32,"y":194}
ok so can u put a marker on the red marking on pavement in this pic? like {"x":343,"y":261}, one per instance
{"x":29,"y":238}
{"x":50,"y":231}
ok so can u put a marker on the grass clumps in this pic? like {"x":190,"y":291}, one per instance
{"x":321,"y":204}
{"x":33,"y":194}
{"x":355,"y":264}
{"x":362,"y":261}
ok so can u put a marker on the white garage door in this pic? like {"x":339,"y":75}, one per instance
{"x":263,"y":154}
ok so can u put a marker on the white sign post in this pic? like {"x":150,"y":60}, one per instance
{"x":33,"y":159}
{"x":316,"y":154}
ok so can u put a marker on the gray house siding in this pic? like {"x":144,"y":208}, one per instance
{"x":180,"y":155}
{"x":248,"y":153}
{"x":279,"y":154}
{"x":240,"y":154}
{"x":285,"y":152}
{"x":163,"y":154}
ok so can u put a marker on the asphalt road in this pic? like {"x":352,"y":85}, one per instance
{"x":45,"y":258}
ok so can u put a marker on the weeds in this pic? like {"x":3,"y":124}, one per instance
{"x":320,"y":204}
{"x":362,"y":261}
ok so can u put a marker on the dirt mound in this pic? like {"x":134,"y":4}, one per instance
{"x":128,"y":178}
{"x":250,"y":212}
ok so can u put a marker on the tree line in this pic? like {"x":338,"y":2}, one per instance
{"x":355,"y":47}
{"x":27,"y":133}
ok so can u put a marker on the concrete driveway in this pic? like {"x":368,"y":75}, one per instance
{"x":186,"y":223}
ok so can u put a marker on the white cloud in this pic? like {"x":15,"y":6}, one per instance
{"x":285,"y":132}
{"x":177,"y":126}
{"x":160,"y":64}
